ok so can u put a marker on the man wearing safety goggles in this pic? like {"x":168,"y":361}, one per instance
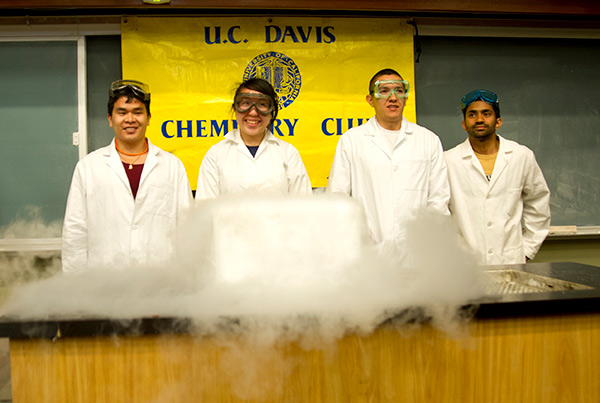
{"x":394,"y":167}
{"x":499,"y":197}
{"x":125,"y":198}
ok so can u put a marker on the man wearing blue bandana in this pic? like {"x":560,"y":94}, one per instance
{"x":498,"y":196}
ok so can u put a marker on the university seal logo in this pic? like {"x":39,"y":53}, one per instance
{"x":280,"y":71}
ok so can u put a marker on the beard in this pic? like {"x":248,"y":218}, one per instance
{"x":488,"y":133}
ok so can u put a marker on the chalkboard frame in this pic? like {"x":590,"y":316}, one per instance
{"x":86,"y":119}
{"x":39,"y":74}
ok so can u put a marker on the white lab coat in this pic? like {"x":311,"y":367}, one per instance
{"x":228,"y":167}
{"x":392,"y":185}
{"x":489,"y":214}
{"x":104,"y":225}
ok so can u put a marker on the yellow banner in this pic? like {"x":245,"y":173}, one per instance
{"x":320,"y":68}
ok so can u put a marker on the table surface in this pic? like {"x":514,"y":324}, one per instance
{"x":492,"y":306}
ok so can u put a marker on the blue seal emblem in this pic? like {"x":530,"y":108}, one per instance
{"x":280,"y":71}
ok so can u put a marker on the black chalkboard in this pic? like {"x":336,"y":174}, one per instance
{"x":549,"y":91}
{"x":103,"y":55}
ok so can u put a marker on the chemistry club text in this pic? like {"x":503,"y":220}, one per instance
{"x":281,"y":127}
{"x":273,"y":34}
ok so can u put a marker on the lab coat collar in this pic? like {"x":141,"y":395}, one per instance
{"x":374,"y":130}
{"x":505,"y":151}
{"x":151,"y":161}
{"x":114,"y":162}
{"x":235,"y":137}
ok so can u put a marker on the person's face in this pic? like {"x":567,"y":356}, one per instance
{"x":252,"y":124}
{"x":480,"y":121}
{"x":388,"y":110}
{"x":129,"y":121}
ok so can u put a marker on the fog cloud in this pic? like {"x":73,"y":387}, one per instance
{"x":308,"y":274}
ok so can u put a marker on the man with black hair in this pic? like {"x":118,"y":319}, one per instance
{"x":126,"y":198}
{"x":499,"y":198}
{"x":393,"y":167}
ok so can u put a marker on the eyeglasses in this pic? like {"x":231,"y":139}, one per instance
{"x":385,"y":89}
{"x":137,"y":87}
{"x":245,"y":101}
{"x":484,"y":95}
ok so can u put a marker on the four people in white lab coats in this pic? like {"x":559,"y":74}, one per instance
{"x":499,"y":198}
{"x":126,"y":199}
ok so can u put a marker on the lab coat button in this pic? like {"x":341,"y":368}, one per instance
{"x":489,"y":224}
{"x":395,"y":168}
{"x":491,"y":251}
{"x":488,"y":196}
{"x":134,"y":227}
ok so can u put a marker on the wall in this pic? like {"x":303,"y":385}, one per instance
{"x":586,"y":251}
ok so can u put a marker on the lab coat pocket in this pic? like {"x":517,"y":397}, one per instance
{"x":513,"y":198}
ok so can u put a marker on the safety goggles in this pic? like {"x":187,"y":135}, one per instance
{"x":385,"y":89}
{"x":137,"y":87}
{"x":245,"y":101}
{"x":483,"y":95}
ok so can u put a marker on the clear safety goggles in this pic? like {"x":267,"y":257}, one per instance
{"x":483,"y":95}
{"x":245,"y":101}
{"x":385,"y":89}
{"x":137,"y":87}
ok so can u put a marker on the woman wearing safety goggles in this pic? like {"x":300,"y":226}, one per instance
{"x":250,"y":158}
